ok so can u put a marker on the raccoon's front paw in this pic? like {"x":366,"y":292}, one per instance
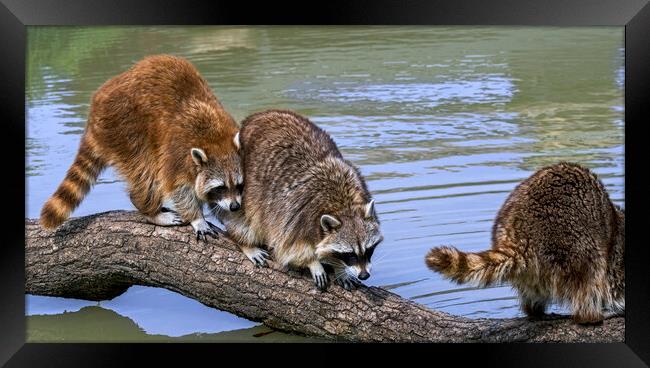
{"x":202,"y":229}
{"x":319,"y":275}
{"x":347,"y":282}
{"x":257,"y":256}
{"x":320,"y":280}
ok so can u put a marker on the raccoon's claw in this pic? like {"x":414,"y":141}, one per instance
{"x":177,"y":219}
{"x":348,"y":283}
{"x":321,"y":281}
{"x":319,"y":275}
{"x":203,"y":235}
{"x":203,"y":230}
{"x":257,"y":256}
{"x":260,"y":259}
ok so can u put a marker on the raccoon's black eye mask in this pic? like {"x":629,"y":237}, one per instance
{"x":349,"y":258}
{"x":218,"y":189}
{"x":216,"y":192}
{"x":369,"y":251}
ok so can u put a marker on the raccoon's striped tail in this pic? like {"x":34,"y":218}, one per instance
{"x":483,"y":268}
{"x":77,"y":182}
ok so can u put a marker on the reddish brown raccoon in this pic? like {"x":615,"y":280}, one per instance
{"x":166,"y":133}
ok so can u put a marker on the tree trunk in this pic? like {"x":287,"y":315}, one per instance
{"x":98,"y":257}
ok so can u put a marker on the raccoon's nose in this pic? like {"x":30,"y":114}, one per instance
{"x":234,"y":206}
{"x":363,"y":275}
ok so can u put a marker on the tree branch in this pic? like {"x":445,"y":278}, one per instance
{"x":98,"y":257}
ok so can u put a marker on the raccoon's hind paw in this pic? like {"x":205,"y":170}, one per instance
{"x":257,"y":256}
{"x":613,"y":313}
{"x":167,"y":218}
{"x":588,"y":318}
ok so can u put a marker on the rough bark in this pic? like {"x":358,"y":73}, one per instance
{"x":98,"y":257}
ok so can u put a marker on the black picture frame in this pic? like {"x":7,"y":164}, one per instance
{"x":15,"y":15}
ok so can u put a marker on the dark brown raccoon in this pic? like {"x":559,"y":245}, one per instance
{"x":557,"y":238}
{"x":165,"y":132}
{"x":303,"y":200}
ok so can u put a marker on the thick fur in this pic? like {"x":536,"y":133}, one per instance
{"x":145,"y":122}
{"x":557,"y":238}
{"x":295,"y":175}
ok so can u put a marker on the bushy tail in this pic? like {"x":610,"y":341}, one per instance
{"x":483,"y":268}
{"x":77,"y":182}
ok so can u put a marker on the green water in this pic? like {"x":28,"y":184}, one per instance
{"x":96,"y":324}
{"x":442,"y":121}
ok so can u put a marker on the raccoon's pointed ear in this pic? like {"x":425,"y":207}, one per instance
{"x":370,"y":210}
{"x":199,"y":156}
{"x":236,"y":141}
{"x":329,"y":223}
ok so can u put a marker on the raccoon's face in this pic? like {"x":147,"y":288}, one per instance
{"x":350,"y":241}
{"x":219,"y":181}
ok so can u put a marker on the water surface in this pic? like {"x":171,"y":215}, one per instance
{"x":442,"y":121}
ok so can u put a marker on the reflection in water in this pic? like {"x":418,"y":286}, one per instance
{"x":96,"y":324}
{"x":442,"y":121}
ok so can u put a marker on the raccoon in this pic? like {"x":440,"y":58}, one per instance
{"x":303,"y":200}
{"x":557,"y":238}
{"x":165,"y":132}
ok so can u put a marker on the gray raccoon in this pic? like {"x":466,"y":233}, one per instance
{"x":303,"y":200}
{"x":557,"y":238}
